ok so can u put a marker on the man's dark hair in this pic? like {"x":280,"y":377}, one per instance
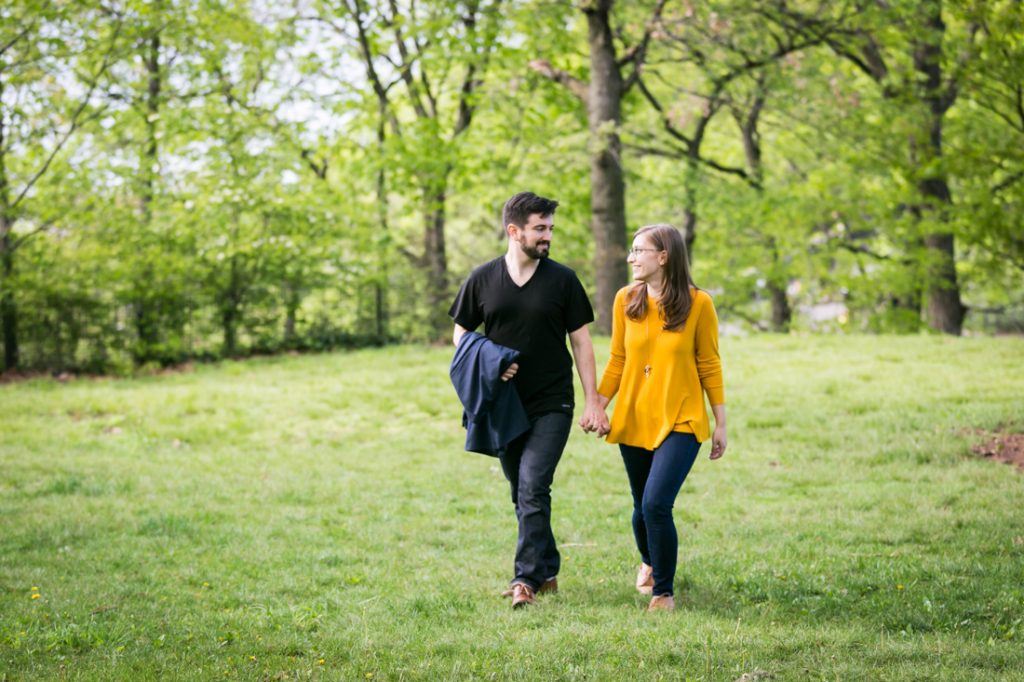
{"x":519,"y":208}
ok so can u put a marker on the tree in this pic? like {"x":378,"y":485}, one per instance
{"x":51,"y":60}
{"x":989,"y":145}
{"x":602,"y":96}
{"x":147,"y":95}
{"x":915,"y":59}
{"x":704,"y":53}
{"x":425,"y":71}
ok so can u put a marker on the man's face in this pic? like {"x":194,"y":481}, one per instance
{"x":534,"y":238}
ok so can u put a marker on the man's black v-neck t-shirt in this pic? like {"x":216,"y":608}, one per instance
{"x":533,"y":319}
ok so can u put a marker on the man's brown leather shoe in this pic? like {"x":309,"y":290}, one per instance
{"x":550,"y":586}
{"x":522,"y":595}
{"x":645,"y":579}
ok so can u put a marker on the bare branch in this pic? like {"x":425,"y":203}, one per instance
{"x":25,"y":237}
{"x":1008,"y":182}
{"x":472,"y":80}
{"x":692,"y":144}
{"x":14,"y":40}
{"x":405,"y":67}
{"x":573,"y":84}
{"x":757,"y":324}
{"x":371,"y":71}
{"x":962,"y":62}
{"x":1020,"y":104}
{"x":416,"y":259}
{"x":319,"y":169}
{"x":638,"y":54}
{"x":667,"y":151}
{"x":76,"y":117}
{"x":862,"y":249}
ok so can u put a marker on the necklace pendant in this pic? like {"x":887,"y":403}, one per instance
{"x":647,"y":370}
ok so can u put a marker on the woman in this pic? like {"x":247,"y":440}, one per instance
{"x":664,"y":358}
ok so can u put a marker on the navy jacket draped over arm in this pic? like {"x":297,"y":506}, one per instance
{"x":493,"y":414}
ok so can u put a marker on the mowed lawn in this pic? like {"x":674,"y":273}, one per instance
{"x":315,"y":517}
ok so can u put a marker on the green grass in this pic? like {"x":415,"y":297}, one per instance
{"x":316,"y":518}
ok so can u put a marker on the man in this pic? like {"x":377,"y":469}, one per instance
{"x":529,"y":303}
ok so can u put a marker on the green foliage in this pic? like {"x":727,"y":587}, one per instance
{"x":193,"y":180}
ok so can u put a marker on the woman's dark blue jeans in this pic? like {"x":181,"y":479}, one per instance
{"x":655,"y":478}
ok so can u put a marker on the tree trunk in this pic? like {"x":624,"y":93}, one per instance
{"x":227,"y":321}
{"x":289,"y":327}
{"x":782,"y":314}
{"x":945,"y":311}
{"x":8,"y":308}
{"x":291,"y":305}
{"x":144,"y":304}
{"x":380,"y":292}
{"x":777,"y":281}
{"x":689,"y":230}
{"x":381,"y":308}
{"x":607,"y":185}
{"x":905,"y":309}
{"x":229,"y":311}
{"x":689,"y":227}
{"x":148,"y":160}
{"x":438,"y":296}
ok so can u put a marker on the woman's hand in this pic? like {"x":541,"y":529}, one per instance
{"x":718,"y":441}
{"x":595,"y":417}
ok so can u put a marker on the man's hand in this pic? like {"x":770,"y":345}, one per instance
{"x":510,"y":372}
{"x":594,"y":419}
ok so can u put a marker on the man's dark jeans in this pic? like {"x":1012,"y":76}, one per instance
{"x":655,"y":478}
{"x":529,"y":464}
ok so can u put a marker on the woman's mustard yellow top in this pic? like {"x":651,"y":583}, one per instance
{"x":683,"y":365}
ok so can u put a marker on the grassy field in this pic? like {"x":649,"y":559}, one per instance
{"x":316,"y":518}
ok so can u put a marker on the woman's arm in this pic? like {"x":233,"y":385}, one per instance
{"x":612,"y":376}
{"x":718,"y":438}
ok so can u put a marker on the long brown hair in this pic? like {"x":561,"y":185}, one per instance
{"x":676,"y":298}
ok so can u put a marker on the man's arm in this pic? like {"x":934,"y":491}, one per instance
{"x":457,"y":334}
{"x":594,"y":417}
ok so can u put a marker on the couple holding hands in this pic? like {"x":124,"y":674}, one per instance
{"x":663,"y":359}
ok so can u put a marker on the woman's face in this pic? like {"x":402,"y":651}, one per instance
{"x":647,"y":261}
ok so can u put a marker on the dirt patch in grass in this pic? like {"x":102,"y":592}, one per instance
{"x":1003,"y":447}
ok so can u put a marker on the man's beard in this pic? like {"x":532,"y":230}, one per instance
{"x":534,"y":252}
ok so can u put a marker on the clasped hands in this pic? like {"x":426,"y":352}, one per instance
{"x":595,"y":420}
